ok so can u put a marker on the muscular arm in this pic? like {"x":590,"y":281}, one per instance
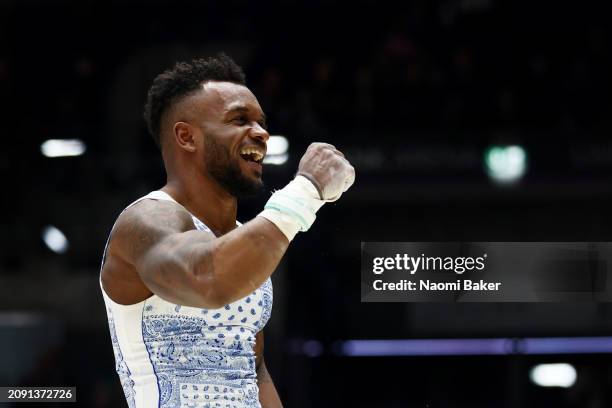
{"x":190,"y":267}
{"x":268,"y":397}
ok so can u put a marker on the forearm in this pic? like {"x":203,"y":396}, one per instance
{"x":240,"y":261}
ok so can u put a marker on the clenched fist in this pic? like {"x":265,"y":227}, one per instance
{"x":327,"y":169}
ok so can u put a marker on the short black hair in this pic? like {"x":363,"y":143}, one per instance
{"x":183,"y":79}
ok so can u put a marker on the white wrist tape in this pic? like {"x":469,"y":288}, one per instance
{"x":293,"y":208}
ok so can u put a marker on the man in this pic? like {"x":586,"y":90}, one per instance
{"x":187,"y":291}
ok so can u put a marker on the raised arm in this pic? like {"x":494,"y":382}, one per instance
{"x":194,"y":268}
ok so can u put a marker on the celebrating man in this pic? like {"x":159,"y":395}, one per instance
{"x":187,"y":289}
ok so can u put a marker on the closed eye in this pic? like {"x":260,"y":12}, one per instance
{"x":241,"y":120}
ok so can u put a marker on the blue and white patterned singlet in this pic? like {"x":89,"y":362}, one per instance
{"x":173,"y":356}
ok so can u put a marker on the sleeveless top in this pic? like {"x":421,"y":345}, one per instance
{"x":174,"y":356}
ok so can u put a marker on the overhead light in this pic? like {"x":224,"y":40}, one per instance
{"x":277,"y":151}
{"x":505,"y":164}
{"x":276,"y":159}
{"x":478,"y":346}
{"x":424,"y":347}
{"x":277,"y":145}
{"x":62,"y":148}
{"x":55,"y":239}
{"x":553,"y":375}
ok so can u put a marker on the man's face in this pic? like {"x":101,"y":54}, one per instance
{"x":234,"y":137}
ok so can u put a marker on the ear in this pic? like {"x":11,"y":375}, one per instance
{"x":185,"y":136}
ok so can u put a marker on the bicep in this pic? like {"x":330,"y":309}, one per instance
{"x":169,"y":268}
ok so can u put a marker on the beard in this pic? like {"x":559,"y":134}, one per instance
{"x":227,"y":172}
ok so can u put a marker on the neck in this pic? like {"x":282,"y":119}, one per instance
{"x":206,"y":199}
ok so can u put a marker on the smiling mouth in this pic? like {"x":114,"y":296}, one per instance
{"x":252,"y":154}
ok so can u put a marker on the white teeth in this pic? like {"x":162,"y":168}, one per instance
{"x":257,"y":154}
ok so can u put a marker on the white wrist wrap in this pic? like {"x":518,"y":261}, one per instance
{"x":293,"y":208}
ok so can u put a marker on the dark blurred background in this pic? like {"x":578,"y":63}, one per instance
{"x":418,"y":95}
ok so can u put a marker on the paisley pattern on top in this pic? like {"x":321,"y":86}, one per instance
{"x":205,"y":356}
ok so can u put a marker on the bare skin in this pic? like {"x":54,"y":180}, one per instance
{"x":154,"y":246}
{"x":268,"y":397}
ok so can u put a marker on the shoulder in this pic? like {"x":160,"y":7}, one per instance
{"x":162,"y":214}
{"x":146,"y":222}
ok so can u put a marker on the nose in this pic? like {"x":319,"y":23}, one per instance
{"x":259,"y":133}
